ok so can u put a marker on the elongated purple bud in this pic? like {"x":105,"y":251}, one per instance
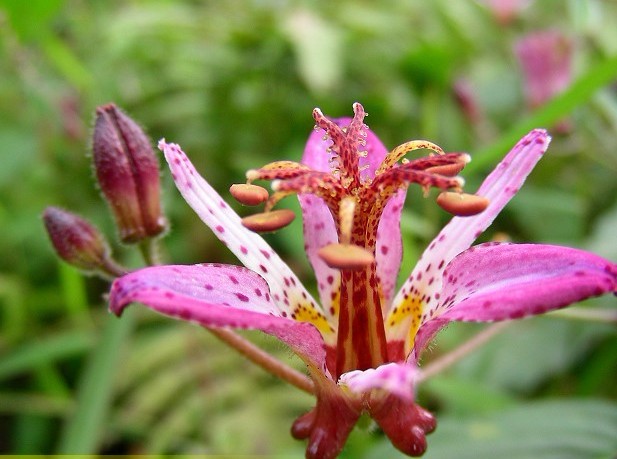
{"x":76,"y":240}
{"x":128,"y":173}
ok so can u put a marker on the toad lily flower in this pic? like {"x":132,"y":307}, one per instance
{"x":361,"y":342}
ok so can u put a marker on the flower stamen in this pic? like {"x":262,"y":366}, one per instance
{"x":395,"y":155}
{"x":346,"y":256}
{"x":266,"y":222}
{"x":462,"y":204}
{"x":248,"y":194}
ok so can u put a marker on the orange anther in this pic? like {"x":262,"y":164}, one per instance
{"x":346,"y":256}
{"x":248,"y":195}
{"x":269,"y":221}
{"x":462,"y":204}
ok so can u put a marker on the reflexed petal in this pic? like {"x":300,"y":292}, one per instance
{"x":493,"y":282}
{"x":214,"y":295}
{"x":251,"y":249}
{"x":420,"y":295}
{"x":394,"y":378}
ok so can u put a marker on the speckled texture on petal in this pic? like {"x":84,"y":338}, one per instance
{"x":420,"y":296}
{"x":495,"y":282}
{"x":252,"y":250}
{"x":214,"y":295}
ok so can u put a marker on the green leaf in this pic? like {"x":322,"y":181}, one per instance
{"x":466,"y":396}
{"x":560,"y":429}
{"x":318,"y":47}
{"x":46,"y":350}
{"x":85,"y":429}
{"x":530,"y":352}
{"x":547,"y":430}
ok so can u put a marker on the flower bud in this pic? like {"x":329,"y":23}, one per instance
{"x":76,"y":240}
{"x":128,"y":173}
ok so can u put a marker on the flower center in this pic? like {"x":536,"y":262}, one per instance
{"x":356,"y":190}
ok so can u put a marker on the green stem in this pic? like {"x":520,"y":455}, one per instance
{"x":150,"y":251}
{"x":264,"y":360}
{"x":84,"y":430}
{"x":110,"y":270}
{"x":587,"y":314}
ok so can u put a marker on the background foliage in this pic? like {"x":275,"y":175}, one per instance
{"x":235,"y":82}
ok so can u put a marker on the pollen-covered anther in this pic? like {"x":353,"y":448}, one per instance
{"x":462,"y":204}
{"x":266,"y":222}
{"x":248,"y":194}
{"x":346,"y":256}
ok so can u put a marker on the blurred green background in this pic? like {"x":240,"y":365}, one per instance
{"x":234,"y":82}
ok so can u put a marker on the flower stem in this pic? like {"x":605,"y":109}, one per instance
{"x":587,"y":314}
{"x":264,"y":360}
{"x":149,"y":249}
{"x":461,"y":351}
{"x":110,"y":270}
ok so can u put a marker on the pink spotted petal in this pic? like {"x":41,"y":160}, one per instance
{"x":318,"y":224}
{"x":458,"y":235}
{"x":494,"y":282}
{"x":214,"y":295}
{"x":251,"y":249}
{"x":319,"y":231}
{"x":393,"y":378}
{"x":389,"y":251}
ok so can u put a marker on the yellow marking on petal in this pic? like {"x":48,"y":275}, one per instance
{"x":304,"y":312}
{"x":335,"y":305}
{"x":406,"y":316}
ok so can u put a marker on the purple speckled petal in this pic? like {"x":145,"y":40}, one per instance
{"x":251,"y":249}
{"x":319,"y":231}
{"x":389,"y":250}
{"x":458,"y":235}
{"x":214,"y":295}
{"x":494,"y":282}
{"x":394,"y":378}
